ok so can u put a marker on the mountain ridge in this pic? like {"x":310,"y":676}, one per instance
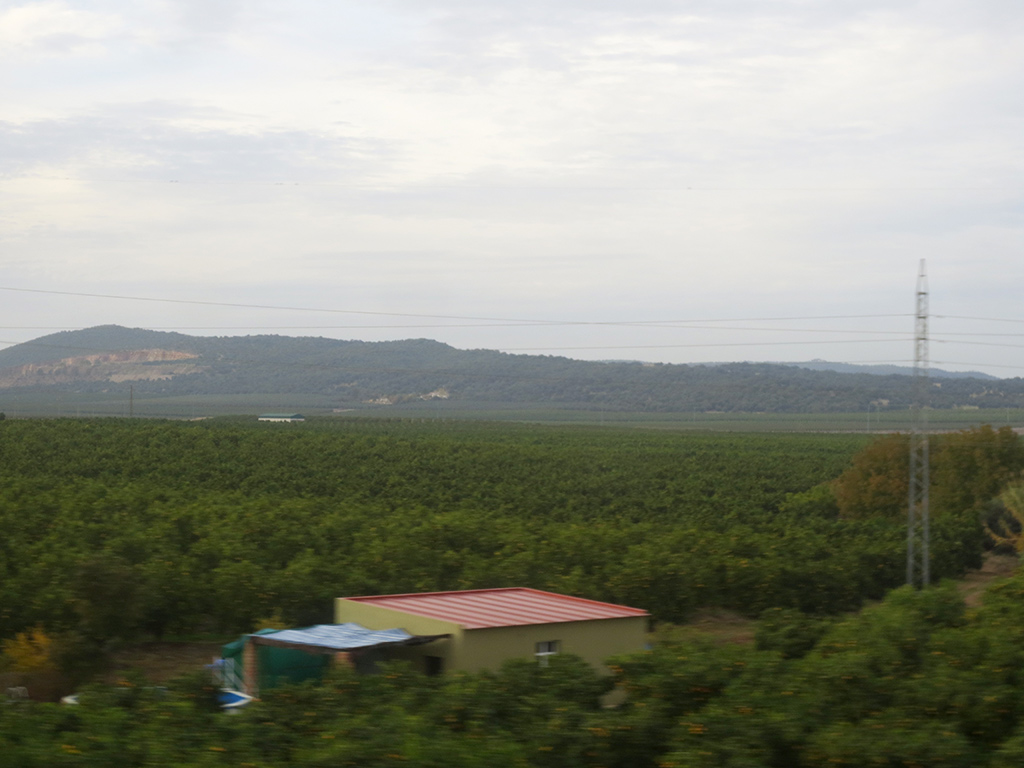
{"x":350,"y":373}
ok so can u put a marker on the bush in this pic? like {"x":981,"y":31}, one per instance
{"x":790,"y":632}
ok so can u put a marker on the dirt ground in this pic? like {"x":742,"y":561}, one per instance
{"x":973,"y":585}
{"x":161,"y":661}
{"x":718,"y":625}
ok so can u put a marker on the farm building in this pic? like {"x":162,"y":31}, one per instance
{"x":482,"y":628}
{"x":437,"y":632}
{"x":286,"y":417}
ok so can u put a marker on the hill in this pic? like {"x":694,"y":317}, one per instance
{"x":884,"y":370}
{"x":360,"y":375}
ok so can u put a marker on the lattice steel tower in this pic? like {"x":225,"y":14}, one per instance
{"x":917,"y":506}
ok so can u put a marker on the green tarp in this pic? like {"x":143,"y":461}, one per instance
{"x":277,"y":666}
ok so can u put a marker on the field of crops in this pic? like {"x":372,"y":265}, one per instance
{"x":117,"y":530}
{"x":128,"y":528}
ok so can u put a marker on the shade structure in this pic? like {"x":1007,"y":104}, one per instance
{"x":272,"y":657}
{"x":336,"y":638}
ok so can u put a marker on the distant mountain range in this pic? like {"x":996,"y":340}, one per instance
{"x":886,"y":370}
{"x":361,"y":375}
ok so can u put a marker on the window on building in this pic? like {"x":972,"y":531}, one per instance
{"x":545,"y":650}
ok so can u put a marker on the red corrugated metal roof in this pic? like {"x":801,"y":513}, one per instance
{"x":510,"y":607}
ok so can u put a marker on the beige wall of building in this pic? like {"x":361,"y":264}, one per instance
{"x":594,"y":641}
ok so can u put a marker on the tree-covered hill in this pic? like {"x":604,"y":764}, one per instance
{"x":347,"y":374}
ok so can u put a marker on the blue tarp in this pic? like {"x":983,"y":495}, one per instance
{"x":339,"y":637}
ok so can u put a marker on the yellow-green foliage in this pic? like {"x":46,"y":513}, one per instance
{"x":273,"y":621}
{"x":1008,"y":529}
{"x":30,"y":651}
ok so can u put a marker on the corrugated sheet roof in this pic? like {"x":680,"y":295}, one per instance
{"x":510,"y":607}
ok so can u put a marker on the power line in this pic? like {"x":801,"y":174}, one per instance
{"x":986,"y":365}
{"x":397,"y":326}
{"x":421,"y":186}
{"x":714,"y":344}
{"x":548,"y":349}
{"x":437,"y":317}
{"x":481,"y":325}
{"x":983,"y":319}
{"x":234,"y":305}
{"x":988,"y":335}
{"x":467,"y":321}
{"x":670,"y":322}
{"x":980,"y":344}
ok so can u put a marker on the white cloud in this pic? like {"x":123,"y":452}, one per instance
{"x":515,"y":159}
{"x":56,"y":28}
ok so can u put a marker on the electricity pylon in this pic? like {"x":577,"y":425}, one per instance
{"x":918,"y":571}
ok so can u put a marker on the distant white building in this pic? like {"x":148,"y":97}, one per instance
{"x":281,"y":417}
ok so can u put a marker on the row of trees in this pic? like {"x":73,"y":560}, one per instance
{"x":135,"y":560}
{"x":528,"y":471}
{"x":122,"y":530}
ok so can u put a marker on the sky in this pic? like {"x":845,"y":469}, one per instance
{"x":663,"y":180}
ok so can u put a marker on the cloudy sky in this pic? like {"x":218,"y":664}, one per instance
{"x":673,"y":180}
